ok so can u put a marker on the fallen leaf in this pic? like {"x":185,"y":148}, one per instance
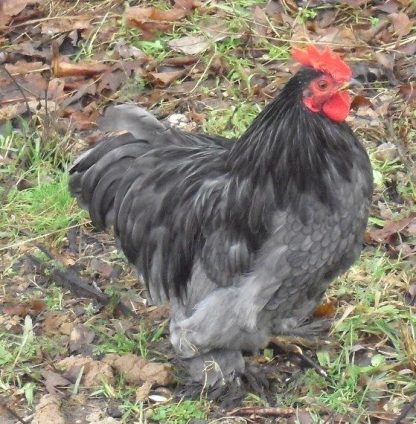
{"x":65,"y":69}
{"x":53,"y":380}
{"x":22,"y":67}
{"x":61,"y":68}
{"x":137,"y":370}
{"x":215,"y":30}
{"x":127,"y":50}
{"x":386,"y":152}
{"x":388,"y":233}
{"x":163,"y":79}
{"x":10,"y":8}
{"x":151,"y":20}
{"x":412,"y":295}
{"x":189,"y":45}
{"x":401,"y":23}
{"x":33,"y":308}
{"x":408,"y":91}
{"x":261,"y":22}
{"x":385,"y":59}
{"x":360,"y":101}
{"x":355,"y":3}
{"x":326,"y":17}
{"x":80,"y":337}
{"x":68,"y":24}
{"x":180,"y":60}
{"x":186,"y":4}
{"x":390,"y":6}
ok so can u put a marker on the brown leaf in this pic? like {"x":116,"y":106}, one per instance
{"x":387,"y":234}
{"x":10,"y":8}
{"x":189,"y":45}
{"x":70,"y":23}
{"x":408,"y":91}
{"x":80,"y":337}
{"x":401,"y":23}
{"x":162,"y":79}
{"x":412,"y":295}
{"x":53,"y":380}
{"x":180,"y":60}
{"x":360,"y":101}
{"x":386,"y":60}
{"x":390,"y":6}
{"x":65,"y":69}
{"x":186,"y":4}
{"x":22,"y":67}
{"x":81,"y":121}
{"x":151,"y":20}
{"x":60,"y":68}
{"x":326,"y":18}
{"x":33,"y":307}
{"x":355,"y":3}
{"x":16,"y":309}
{"x":261,"y":22}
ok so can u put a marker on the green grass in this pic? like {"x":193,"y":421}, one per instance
{"x":46,"y":208}
{"x":180,"y":413}
{"x":231,"y":122}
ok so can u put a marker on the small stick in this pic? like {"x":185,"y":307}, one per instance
{"x":271,"y":412}
{"x":3,"y":404}
{"x":18,"y":87}
{"x":314,"y":365}
{"x":405,"y":411}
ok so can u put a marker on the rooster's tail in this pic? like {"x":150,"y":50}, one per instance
{"x":96,"y":174}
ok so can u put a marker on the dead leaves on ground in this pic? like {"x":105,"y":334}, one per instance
{"x":152,"y":20}
{"x":73,"y":87}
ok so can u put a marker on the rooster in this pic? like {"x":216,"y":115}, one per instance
{"x":242,"y":236}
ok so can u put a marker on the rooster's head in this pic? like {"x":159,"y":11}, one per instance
{"x":324,"y":93}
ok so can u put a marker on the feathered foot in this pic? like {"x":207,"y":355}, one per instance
{"x":224,"y":376}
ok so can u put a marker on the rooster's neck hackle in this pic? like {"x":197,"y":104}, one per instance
{"x":298,"y":150}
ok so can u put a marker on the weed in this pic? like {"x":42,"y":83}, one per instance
{"x":47,"y":208}
{"x":231,"y":122}
{"x":180,"y":413}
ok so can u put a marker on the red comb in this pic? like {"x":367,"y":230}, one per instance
{"x":323,"y":61}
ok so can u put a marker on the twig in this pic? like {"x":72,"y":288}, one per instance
{"x":3,"y":404}
{"x":314,"y":365}
{"x":18,"y":87}
{"x":71,"y":280}
{"x":30,"y":240}
{"x":270,"y":411}
{"x":405,"y":411}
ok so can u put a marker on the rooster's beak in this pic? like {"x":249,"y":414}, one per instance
{"x":351,"y":85}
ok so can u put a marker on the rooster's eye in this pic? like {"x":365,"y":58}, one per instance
{"x":323,"y":85}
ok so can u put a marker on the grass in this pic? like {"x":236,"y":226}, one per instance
{"x":231,"y":122}
{"x":180,"y":413}
{"x":46,"y":208}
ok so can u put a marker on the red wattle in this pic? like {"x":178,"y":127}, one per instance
{"x":338,"y":106}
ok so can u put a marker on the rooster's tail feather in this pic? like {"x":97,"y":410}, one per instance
{"x":96,"y":174}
